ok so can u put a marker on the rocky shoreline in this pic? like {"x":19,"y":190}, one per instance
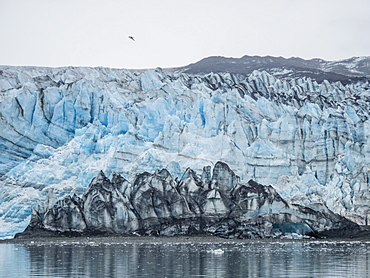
{"x":363,"y":236}
{"x":119,"y":239}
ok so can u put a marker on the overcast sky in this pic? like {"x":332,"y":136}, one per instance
{"x":171,"y":33}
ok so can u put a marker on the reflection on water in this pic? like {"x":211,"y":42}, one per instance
{"x":242,"y":259}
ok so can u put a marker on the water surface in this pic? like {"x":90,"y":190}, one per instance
{"x":185,"y":258}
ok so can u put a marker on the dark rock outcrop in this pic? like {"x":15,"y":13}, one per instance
{"x":157,"y":204}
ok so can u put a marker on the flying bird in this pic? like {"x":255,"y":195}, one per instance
{"x":131,"y":37}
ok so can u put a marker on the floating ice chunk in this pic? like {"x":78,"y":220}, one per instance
{"x":217,"y":251}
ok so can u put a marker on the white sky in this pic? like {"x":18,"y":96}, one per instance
{"x":171,"y":33}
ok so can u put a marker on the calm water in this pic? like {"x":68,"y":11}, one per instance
{"x":240,"y":259}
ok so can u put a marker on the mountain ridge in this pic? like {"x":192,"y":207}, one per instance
{"x":346,"y":71}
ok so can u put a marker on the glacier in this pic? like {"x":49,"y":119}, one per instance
{"x":61,"y":126}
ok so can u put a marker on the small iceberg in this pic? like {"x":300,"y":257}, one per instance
{"x":217,"y":251}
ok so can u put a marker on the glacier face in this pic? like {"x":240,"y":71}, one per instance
{"x":61,"y":126}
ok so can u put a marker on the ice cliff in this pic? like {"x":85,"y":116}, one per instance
{"x":61,"y":126}
{"x":157,"y":204}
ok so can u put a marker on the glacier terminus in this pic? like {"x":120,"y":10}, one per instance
{"x":59,"y":127}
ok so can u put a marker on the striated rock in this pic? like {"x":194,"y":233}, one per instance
{"x":161,"y":205}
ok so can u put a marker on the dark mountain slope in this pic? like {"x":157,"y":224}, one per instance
{"x":345,"y":71}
